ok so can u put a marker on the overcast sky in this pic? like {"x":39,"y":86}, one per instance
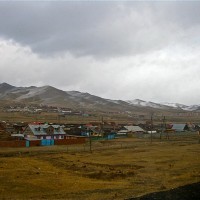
{"x":117,"y":50}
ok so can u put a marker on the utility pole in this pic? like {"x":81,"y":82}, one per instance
{"x":59,"y":118}
{"x":36,"y":118}
{"x":163,"y":127}
{"x":90,"y":139}
{"x":151,"y":126}
{"x":164,"y":124}
{"x":102,"y":123}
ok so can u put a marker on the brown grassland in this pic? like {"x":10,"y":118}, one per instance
{"x":14,"y":117}
{"x":117,"y":169}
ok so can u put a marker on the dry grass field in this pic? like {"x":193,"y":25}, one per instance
{"x":117,"y":169}
{"x":14,"y":117}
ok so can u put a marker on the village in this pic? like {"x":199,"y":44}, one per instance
{"x":96,"y":160}
{"x":56,"y":152}
{"x":28,"y":134}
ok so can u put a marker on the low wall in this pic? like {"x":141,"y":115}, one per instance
{"x":15,"y":143}
{"x":75,"y":140}
{"x":33,"y":143}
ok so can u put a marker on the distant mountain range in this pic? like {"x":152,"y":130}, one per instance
{"x":165,"y":105}
{"x":49,"y":95}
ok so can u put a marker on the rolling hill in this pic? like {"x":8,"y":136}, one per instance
{"x":49,"y":95}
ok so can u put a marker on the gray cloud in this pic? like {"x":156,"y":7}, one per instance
{"x":170,"y":74}
{"x":117,"y":50}
{"x":100,"y":29}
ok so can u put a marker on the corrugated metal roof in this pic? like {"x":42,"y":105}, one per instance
{"x":179,"y":127}
{"x":43,"y":127}
{"x":134,"y":129}
{"x":122,"y":132}
{"x":17,"y":135}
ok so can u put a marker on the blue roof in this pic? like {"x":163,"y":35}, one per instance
{"x":179,"y":127}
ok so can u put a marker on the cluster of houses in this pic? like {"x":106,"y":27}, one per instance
{"x":62,"y":112}
{"x":35,"y":134}
{"x":50,"y":134}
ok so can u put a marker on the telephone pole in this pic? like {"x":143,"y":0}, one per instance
{"x":151,"y":126}
{"x":163,"y":127}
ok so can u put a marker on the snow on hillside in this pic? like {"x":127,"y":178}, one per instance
{"x":81,"y":95}
{"x":174,"y":105}
{"x":113,"y":101}
{"x":31,"y":92}
{"x":182,"y":106}
{"x":138,"y":102}
{"x":53,"y":94}
{"x":75,"y":93}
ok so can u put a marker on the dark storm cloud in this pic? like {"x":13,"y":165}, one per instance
{"x":100,"y":29}
{"x":49,"y":27}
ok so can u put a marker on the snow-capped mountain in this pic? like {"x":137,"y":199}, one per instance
{"x":182,"y":106}
{"x":141,"y":103}
{"x":52,"y":96}
{"x":165,"y":105}
{"x":78,"y":100}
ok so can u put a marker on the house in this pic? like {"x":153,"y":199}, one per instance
{"x":197,"y":127}
{"x":134,"y":129}
{"x":88,"y":130}
{"x":74,"y":129}
{"x":127,"y":130}
{"x":17,"y":136}
{"x":108,"y":127}
{"x":19,"y":127}
{"x":180,"y":127}
{"x":44,"y":131}
{"x":122,"y":132}
{"x":191,"y":127}
{"x":8,"y":127}
{"x":4,"y":135}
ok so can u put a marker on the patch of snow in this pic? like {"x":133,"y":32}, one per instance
{"x":182,"y":106}
{"x":191,"y":108}
{"x":33,"y":92}
{"x":138,"y":102}
{"x":113,"y":101}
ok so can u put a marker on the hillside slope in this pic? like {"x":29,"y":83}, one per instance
{"x":49,"y":95}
